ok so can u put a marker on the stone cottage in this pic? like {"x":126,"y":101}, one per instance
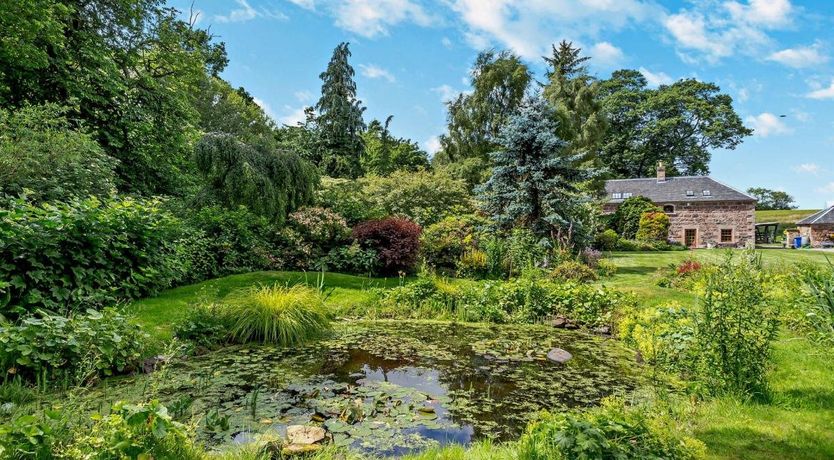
{"x":818,"y":228}
{"x":702,"y":211}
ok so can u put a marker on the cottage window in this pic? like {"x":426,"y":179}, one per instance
{"x":669,"y":209}
{"x":690,"y":193}
{"x":618,"y":196}
{"x":726,"y":235}
{"x":707,"y":193}
{"x":627,"y":195}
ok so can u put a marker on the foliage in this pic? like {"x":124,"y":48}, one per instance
{"x":654,"y":226}
{"x":534,"y":183}
{"x":276,"y":314}
{"x":347,"y":198}
{"x":205,"y":325}
{"x":78,"y":348}
{"x":134,"y":431}
{"x":638,"y":245}
{"x":228,"y":110}
{"x":612,"y":431}
{"x":573,"y":270}
{"x":606,"y":240}
{"x":86,"y":252}
{"x":474,"y":171}
{"x":735,"y":329}
{"x":499,"y":81}
{"x":29,"y":436}
{"x":42,"y":154}
{"x":423,"y":196}
{"x":339,"y":118}
{"x":573,"y":94}
{"x":771,"y":200}
{"x":443,"y":244}
{"x":664,"y":336}
{"x":626,"y":219}
{"x":322,"y":228}
{"x":130,"y":71}
{"x":217,"y":241}
{"x":270,"y":183}
{"x":678,"y":124}
{"x":385,"y":154}
{"x":395,"y":240}
{"x":816,"y":300}
{"x":351,"y":259}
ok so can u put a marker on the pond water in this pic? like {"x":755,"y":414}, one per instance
{"x":388,"y":388}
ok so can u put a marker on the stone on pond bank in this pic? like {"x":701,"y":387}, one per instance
{"x":305,"y":435}
{"x":557,"y":355}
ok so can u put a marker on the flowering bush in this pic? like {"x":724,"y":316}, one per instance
{"x":320,"y":226}
{"x":654,"y":226}
{"x":688,"y":266}
{"x":396,"y":241}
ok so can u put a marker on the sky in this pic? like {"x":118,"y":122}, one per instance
{"x":774,"y":57}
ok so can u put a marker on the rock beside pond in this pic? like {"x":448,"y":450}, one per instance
{"x":560,"y":322}
{"x":153,"y":364}
{"x":305,"y":435}
{"x":557,"y":355}
{"x":603,"y":330}
{"x":299,"y":449}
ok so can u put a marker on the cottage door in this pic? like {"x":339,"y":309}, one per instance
{"x":690,"y":237}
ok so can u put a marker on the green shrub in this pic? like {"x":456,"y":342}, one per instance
{"x":606,"y":268}
{"x":351,"y":259}
{"x":32,"y":437}
{"x":473,"y":263}
{"x":217,"y":241}
{"x":735,"y":328}
{"x":606,"y":240}
{"x":626,"y":219}
{"x":816,"y":301}
{"x":134,"y":431}
{"x":204,"y":325}
{"x":42,"y":153}
{"x":322,"y":228}
{"x":612,"y":431}
{"x":87,"y":345}
{"x":664,"y":336}
{"x":347,"y":198}
{"x":276,"y":314}
{"x":86,"y":252}
{"x":573,"y":270}
{"x":638,"y":245}
{"x":524,"y":250}
{"x":654,"y":226}
{"x":442,"y":244}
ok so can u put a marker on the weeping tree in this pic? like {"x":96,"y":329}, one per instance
{"x":536,"y":180}
{"x":269,"y":182}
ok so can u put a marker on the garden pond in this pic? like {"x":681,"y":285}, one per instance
{"x":388,"y":388}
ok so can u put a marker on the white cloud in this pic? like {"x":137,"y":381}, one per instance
{"x":266,"y":107}
{"x":446,"y":92}
{"x":306,"y":4}
{"x":528,"y":27}
{"x":246,"y":12}
{"x":655,"y":79}
{"x":375,"y":71}
{"x":303,"y":96}
{"x":432,"y":145}
{"x":800,"y":115}
{"x":799,"y":57}
{"x":606,"y":54}
{"x":823,"y":93}
{"x":292,"y":116}
{"x":371,"y":18}
{"x":767,"y":124}
{"x":446,"y":42}
{"x":807,"y":168}
{"x":712,"y":31}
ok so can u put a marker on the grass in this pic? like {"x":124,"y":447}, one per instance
{"x":284,"y":315}
{"x":787,"y":217}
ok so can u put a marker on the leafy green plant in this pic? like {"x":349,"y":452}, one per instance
{"x":653,"y":226}
{"x":205,"y":325}
{"x":626,"y":219}
{"x":606,"y":240}
{"x":735,"y":328}
{"x":573,"y":270}
{"x":612,"y":431}
{"x":31,"y":437}
{"x":664,"y":336}
{"x":79,"y":348}
{"x":442,"y":244}
{"x":276,"y":314}
{"x":351,"y":259}
{"x":86,"y":252}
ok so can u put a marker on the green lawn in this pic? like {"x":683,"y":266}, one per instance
{"x":787,"y":217}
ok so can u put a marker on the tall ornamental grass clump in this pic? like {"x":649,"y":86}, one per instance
{"x":276,"y":314}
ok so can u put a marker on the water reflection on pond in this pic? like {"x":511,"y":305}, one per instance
{"x":388,"y":388}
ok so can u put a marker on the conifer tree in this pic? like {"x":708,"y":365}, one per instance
{"x":339,"y":120}
{"x":536,"y":179}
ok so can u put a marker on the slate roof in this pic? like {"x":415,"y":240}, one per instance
{"x":689,"y":189}
{"x":826,"y":216}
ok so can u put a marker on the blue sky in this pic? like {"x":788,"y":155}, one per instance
{"x":774,"y":57}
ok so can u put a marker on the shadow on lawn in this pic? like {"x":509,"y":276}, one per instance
{"x":808,"y":398}
{"x":639,"y":270}
{"x":745,"y":443}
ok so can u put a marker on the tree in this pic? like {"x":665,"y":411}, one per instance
{"x":224,"y":109}
{"x":44,"y":156}
{"x":536,"y":179}
{"x":270,"y":183}
{"x":573,"y":93}
{"x":771,"y":199}
{"x":626,"y":220}
{"x":129,"y":69}
{"x":678,"y":124}
{"x":340,"y":118}
{"x":499,"y":82}
{"x":385,"y":154}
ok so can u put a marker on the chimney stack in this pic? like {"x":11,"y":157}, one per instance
{"x":661,"y":172}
